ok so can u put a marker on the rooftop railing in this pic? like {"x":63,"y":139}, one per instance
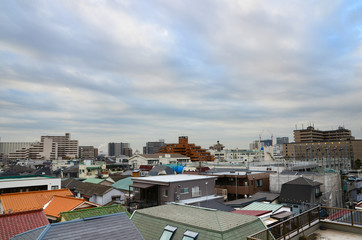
{"x":300,"y":223}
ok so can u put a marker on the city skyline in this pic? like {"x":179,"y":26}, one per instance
{"x":139,"y":71}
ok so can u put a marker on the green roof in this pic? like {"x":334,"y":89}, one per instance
{"x":210,"y":224}
{"x":92,"y":212}
{"x":123,"y":184}
{"x":93,"y":180}
{"x":259,"y":206}
{"x":26,"y":176}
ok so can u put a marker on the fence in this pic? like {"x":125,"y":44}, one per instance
{"x":298,"y":224}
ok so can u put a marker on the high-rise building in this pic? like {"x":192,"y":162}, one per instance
{"x":118,"y":149}
{"x":88,"y":152}
{"x":312,"y":135}
{"x":196,"y":153}
{"x":282,"y":140}
{"x":49,"y":148}
{"x":67,"y":148}
{"x":153,"y":147}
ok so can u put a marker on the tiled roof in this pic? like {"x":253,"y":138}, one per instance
{"x":15,"y":223}
{"x":113,"y":226}
{"x":123,"y":184}
{"x":60,"y":204}
{"x":91,"y":189}
{"x":92,"y":212}
{"x":70,"y":183}
{"x":93,"y":180}
{"x":259,"y":206}
{"x":303,"y":181}
{"x":25,"y":201}
{"x":210,"y":224}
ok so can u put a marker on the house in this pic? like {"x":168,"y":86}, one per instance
{"x":161,"y":170}
{"x":107,"y":182}
{"x":301,"y":194}
{"x":178,"y":221}
{"x":159,"y":190}
{"x":112,"y":226}
{"x":71,"y":172}
{"x":25,"y":201}
{"x":89,"y":170}
{"x":123,"y":185}
{"x":70,"y":183}
{"x":19,"y":222}
{"x":241,"y":183}
{"x":99,"y":194}
{"x":60,"y":204}
{"x":157,"y":159}
{"x":92,"y":212}
{"x":27,"y":183}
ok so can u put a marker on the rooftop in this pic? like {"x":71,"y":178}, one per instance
{"x":259,"y":206}
{"x":114,"y":226}
{"x":15,"y":223}
{"x":92,"y":212}
{"x":123,"y":184}
{"x":172,"y":178}
{"x":25,"y":201}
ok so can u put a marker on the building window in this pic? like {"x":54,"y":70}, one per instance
{"x":196,"y":191}
{"x":259,"y":183}
{"x":168,"y":232}
{"x":55,"y":187}
{"x":184,"y":190}
{"x":318,"y":192}
{"x":165,"y":192}
{"x":190,"y":235}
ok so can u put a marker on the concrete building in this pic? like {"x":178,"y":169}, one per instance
{"x":282,"y":140}
{"x":156,"y":159}
{"x":47,"y":149}
{"x":10,"y":147}
{"x":88,"y":169}
{"x":88,"y":152}
{"x":153,"y":147}
{"x":118,"y":149}
{"x":196,"y":153}
{"x":312,"y":135}
{"x":67,"y":148}
{"x":28,"y":183}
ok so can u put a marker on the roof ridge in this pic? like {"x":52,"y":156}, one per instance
{"x":93,"y":209}
{"x":22,"y":212}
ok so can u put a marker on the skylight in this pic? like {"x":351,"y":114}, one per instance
{"x":190,"y":235}
{"x":168,"y":232}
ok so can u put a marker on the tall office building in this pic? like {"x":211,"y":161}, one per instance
{"x":118,"y":149}
{"x":153,"y":147}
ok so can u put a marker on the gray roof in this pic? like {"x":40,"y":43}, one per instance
{"x":112,"y":226}
{"x":157,"y":169}
{"x":214,"y":204}
{"x":92,"y":189}
{"x":303,"y":181}
{"x":209,"y":223}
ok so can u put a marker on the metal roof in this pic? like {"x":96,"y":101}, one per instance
{"x":263,"y":206}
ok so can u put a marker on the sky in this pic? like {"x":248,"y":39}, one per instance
{"x":140,"y":71}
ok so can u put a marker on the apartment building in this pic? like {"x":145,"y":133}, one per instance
{"x":118,"y":149}
{"x":313,"y":135}
{"x":153,"y":147}
{"x":67,"y":148}
{"x":196,"y":153}
{"x":88,"y":152}
{"x":47,"y":149}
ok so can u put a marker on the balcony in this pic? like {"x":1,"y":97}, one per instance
{"x":346,"y":220}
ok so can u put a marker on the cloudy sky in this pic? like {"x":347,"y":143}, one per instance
{"x":138,"y":71}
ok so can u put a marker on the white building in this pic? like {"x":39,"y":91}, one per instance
{"x":157,"y":159}
{"x":28,"y":183}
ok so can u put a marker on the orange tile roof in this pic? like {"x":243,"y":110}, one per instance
{"x":24,"y":201}
{"x":62,"y":204}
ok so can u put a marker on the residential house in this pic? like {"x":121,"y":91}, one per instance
{"x":123,"y":185}
{"x":177,"y":221}
{"x":25,"y":201}
{"x":28,"y":183}
{"x":107,"y":182}
{"x":112,"y":226}
{"x":71,"y":172}
{"x":157,"y":159}
{"x":12,"y":224}
{"x":60,"y":204}
{"x":92,"y":212}
{"x":99,"y":194}
{"x":240,"y":184}
{"x":89,"y":170}
{"x":159,"y":190}
{"x":301,"y":194}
